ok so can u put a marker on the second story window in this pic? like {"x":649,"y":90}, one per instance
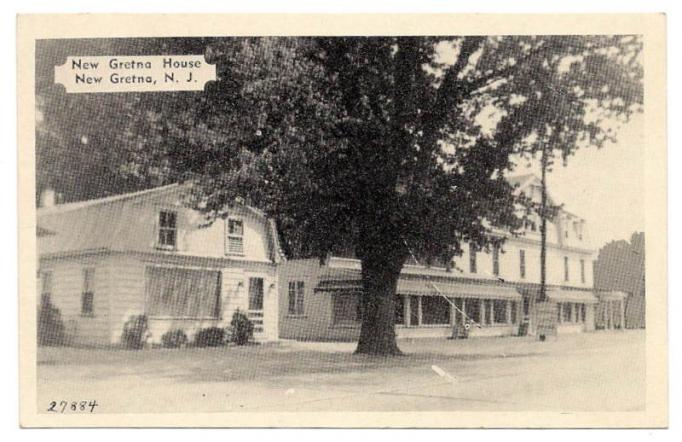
{"x":496,"y":260}
{"x":566,"y":268}
{"x":88,"y":295}
{"x":472,"y":258}
{"x":234,"y":237}
{"x":522,"y":263}
{"x":582,"y":271}
{"x":168,"y":229}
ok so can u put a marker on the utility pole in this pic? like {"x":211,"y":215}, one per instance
{"x":543,"y":225}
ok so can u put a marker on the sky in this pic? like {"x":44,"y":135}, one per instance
{"x":603,"y":186}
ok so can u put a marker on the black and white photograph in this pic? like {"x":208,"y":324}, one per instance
{"x":398,"y":223}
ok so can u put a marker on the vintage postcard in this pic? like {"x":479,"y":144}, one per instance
{"x":342,"y":220}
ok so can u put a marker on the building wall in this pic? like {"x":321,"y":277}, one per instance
{"x":129,"y":294}
{"x":509,"y":259}
{"x":125,"y":233}
{"x":66,"y":295}
{"x":119,"y":293}
{"x":316,"y":321}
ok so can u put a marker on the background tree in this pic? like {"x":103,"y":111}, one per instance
{"x":372,"y":145}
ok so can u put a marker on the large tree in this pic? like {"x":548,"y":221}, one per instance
{"x":383,"y":146}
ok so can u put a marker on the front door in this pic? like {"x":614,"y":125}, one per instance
{"x":256,"y":294}
{"x":255,"y":313}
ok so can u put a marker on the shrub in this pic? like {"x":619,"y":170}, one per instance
{"x":209,"y":337}
{"x":51,"y":329}
{"x":174,"y":338}
{"x":135,"y":332}
{"x":241,"y":328}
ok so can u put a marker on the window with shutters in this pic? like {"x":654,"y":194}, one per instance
{"x":234,"y":237}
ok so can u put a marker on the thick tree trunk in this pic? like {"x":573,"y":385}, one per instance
{"x":380,"y":273}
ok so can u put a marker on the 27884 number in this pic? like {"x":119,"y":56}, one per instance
{"x":72,"y":407}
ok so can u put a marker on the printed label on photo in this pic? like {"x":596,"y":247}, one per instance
{"x":152,"y":73}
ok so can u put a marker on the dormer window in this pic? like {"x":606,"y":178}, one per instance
{"x":168,"y":229}
{"x":234,"y":241}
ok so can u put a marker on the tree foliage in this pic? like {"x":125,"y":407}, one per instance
{"x":380,"y":146}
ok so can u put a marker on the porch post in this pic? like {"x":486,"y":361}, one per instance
{"x":481,"y":312}
{"x":407,"y":308}
{"x":419,"y":310}
{"x":453,"y":311}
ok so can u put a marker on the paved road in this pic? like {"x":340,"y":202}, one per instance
{"x":588,"y":372}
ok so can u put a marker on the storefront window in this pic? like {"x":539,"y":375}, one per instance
{"x":568,"y":312}
{"x":459,"y":318}
{"x":488,"y":312}
{"x":500,"y":311}
{"x":473,"y":309}
{"x":435,"y":310}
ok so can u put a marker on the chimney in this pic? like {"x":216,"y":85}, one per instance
{"x":48,"y":198}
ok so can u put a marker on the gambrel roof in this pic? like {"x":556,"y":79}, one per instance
{"x":122,"y":223}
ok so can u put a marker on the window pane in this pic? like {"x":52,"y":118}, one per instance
{"x":87,"y":300}
{"x":435,"y":310}
{"x":513,"y":312}
{"x":459,"y":318}
{"x":473,"y":309}
{"x":236,"y":227}
{"x":255,"y":293}
{"x":235,"y":245}
{"x":300,"y":292}
{"x":182,"y":293}
{"x":500,"y":311}
{"x":568,"y":311}
{"x":472,"y":258}
{"x":292,"y":298}
{"x":345,"y":307}
{"x":167,"y":219}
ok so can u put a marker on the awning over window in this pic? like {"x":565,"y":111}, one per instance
{"x":423,"y":287}
{"x":579,"y":296}
{"x":455,"y":289}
